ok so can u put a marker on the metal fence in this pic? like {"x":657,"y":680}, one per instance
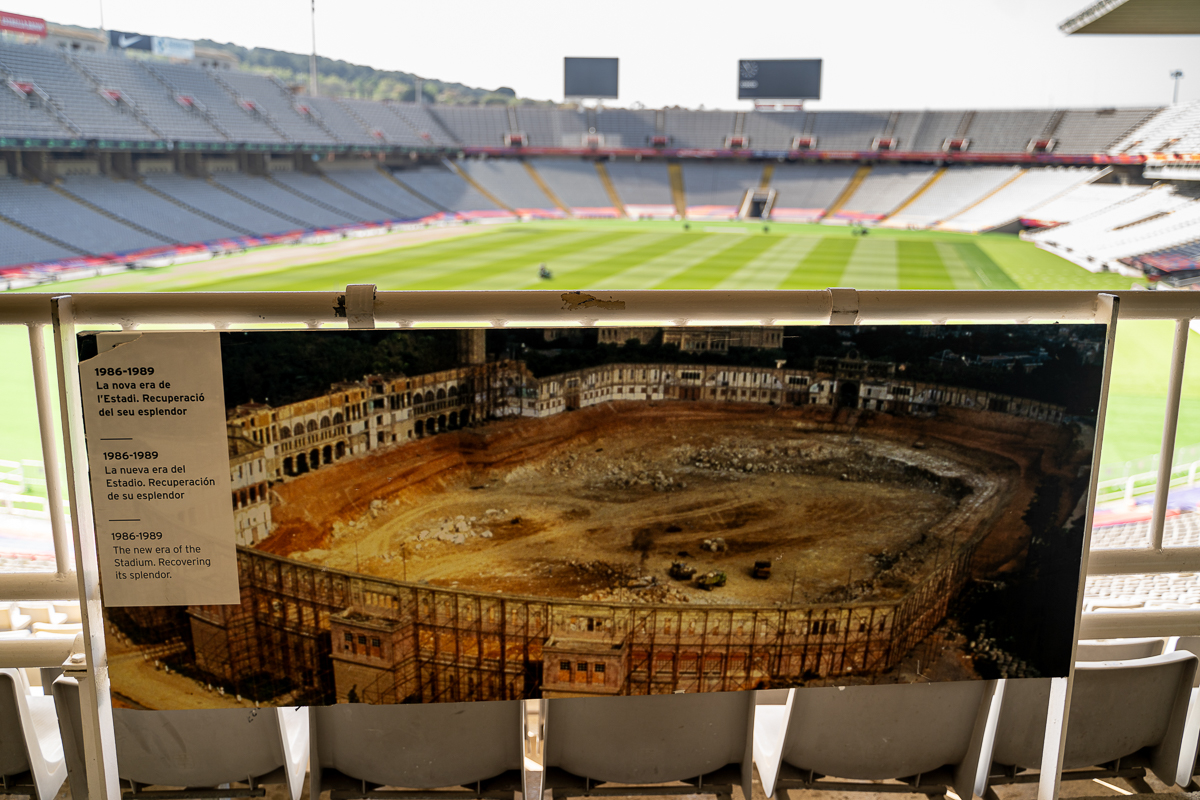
{"x":363,"y":307}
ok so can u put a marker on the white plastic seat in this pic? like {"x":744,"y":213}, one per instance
{"x":929,"y":735}
{"x":12,"y":619}
{"x":42,"y":612}
{"x":31,"y":751}
{"x":1131,"y":712}
{"x":70,"y":608}
{"x":356,"y":747}
{"x":196,"y":748}
{"x":705,"y":740}
{"x":1118,"y":649}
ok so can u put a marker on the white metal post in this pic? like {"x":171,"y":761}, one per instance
{"x":1166,"y":455}
{"x":45,"y":410}
{"x":99,"y":746}
{"x":1058,"y":711}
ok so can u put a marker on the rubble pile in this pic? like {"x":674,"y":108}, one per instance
{"x":461,"y":529}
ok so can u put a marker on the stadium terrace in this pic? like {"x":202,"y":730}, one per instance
{"x":159,"y":163}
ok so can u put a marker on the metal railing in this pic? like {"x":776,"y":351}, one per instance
{"x":363,"y":307}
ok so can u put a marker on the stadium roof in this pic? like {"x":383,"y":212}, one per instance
{"x":1136,"y":17}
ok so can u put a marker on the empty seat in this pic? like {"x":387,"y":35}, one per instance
{"x":359,"y":747}
{"x":929,"y":735}
{"x":1133,"y":711}
{"x":1118,"y":649}
{"x":31,"y":752}
{"x":12,"y":618}
{"x":43,"y":612}
{"x":705,"y":740}
{"x":194,"y":748}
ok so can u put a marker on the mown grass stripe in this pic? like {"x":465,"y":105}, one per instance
{"x":717,"y":267}
{"x":656,"y":270}
{"x":823,"y":266}
{"x":962,"y":275}
{"x":987,"y":272}
{"x":525,"y":259}
{"x":771,"y":267}
{"x":383,"y":268}
{"x":580,"y":258}
{"x":647,"y":248}
{"x":920,"y":267}
{"x":872,"y":265}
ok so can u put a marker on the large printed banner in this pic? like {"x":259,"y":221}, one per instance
{"x":432,"y":516}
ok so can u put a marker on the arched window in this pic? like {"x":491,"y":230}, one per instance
{"x":299,"y":429}
{"x":441,"y":395}
{"x":453,"y":391}
{"x":285,"y":432}
{"x":324,"y":422}
{"x":429,"y":397}
{"x":337,"y":418}
{"x":312,"y":425}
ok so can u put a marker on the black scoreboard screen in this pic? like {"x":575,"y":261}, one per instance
{"x":779,"y":79}
{"x":590,"y":77}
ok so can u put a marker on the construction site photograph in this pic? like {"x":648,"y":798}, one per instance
{"x":452,"y":515}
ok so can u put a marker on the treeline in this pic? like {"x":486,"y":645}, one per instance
{"x":337,"y":78}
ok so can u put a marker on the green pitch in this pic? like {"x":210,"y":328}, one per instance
{"x":613,"y":255}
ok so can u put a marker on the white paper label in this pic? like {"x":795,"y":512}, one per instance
{"x":154,"y":410}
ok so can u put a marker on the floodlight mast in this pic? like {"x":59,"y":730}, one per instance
{"x":312,"y":59}
{"x":1176,"y":74}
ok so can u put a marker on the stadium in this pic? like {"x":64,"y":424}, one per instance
{"x":467,"y":528}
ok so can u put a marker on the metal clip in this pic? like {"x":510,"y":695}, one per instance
{"x":843,"y":306}
{"x":360,"y":305}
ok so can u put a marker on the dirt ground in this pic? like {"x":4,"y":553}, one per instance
{"x":597,"y":504}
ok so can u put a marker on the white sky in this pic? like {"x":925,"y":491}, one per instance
{"x":878,"y":53}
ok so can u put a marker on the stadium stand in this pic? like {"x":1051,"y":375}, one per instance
{"x":509,"y":180}
{"x":883,"y":190}
{"x":348,"y":126}
{"x":773,"y":131}
{"x":643,"y":186}
{"x":27,"y":116}
{"x":216,"y":103}
{"x":804,"y":191}
{"x":1006,"y":131}
{"x":380,"y":188}
{"x":1028,"y":189}
{"x":142,"y":91}
{"x":22,"y":247}
{"x":384,"y":123}
{"x":716,"y":190}
{"x":443,"y":186}
{"x":474,"y":126}
{"x":1185,"y":257}
{"x":44,"y":209}
{"x":576,"y":183}
{"x":548,"y":127}
{"x":1151,"y":220}
{"x":1078,"y":202}
{"x":699,"y":129}
{"x":927,"y":131}
{"x":430,"y":130}
{"x":625,"y":128}
{"x":957,"y":188}
{"x":1087,"y":131}
{"x":848,"y":130}
{"x":272,"y":102}
{"x":1175,"y":129}
{"x":129,"y":200}
{"x":79,"y":106}
{"x":206,"y":197}
{"x":272,"y":194}
{"x":325,"y":193}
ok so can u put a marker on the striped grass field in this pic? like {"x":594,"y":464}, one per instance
{"x":616,"y":255}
